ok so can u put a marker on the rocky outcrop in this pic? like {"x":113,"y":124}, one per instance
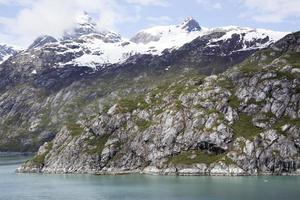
{"x":42,"y":89}
{"x":41,"y":41}
{"x":7,"y":51}
{"x":241,"y":122}
{"x":190,"y":25}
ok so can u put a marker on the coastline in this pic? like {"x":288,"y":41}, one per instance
{"x":154,"y":171}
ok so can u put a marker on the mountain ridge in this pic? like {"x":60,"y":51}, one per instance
{"x":241,"y":122}
{"x":182,"y":101}
{"x":6,"y":51}
{"x":93,"y":48}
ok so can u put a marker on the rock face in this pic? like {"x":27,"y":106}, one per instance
{"x":40,"y":84}
{"x":6,"y":51}
{"x":190,"y":25}
{"x":244,"y":121}
{"x":94,"y":102}
{"x":41,"y":41}
{"x":42,"y":87}
{"x":84,"y":25}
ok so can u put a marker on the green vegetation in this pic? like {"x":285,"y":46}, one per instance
{"x":233,"y":101}
{"x":248,"y":69}
{"x":13,"y":130}
{"x":106,"y":108}
{"x":40,"y":159}
{"x":215,"y":111}
{"x":97,"y":144}
{"x":180,"y":87}
{"x":186,"y":158}
{"x":74,"y":128}
{"x":143,"y":124}
{"x":127,"y":105}
{"x":293,"y":59}
{"x":11,"y":121}
{"x":177,"y":90}
{"x":172,"y":87}
{"x":45,"y":119}
{"x":226,"y":83}
{"x":259,"y":103}
{"x":159,"y":111}
{"x":178,"y":105}
{"x":228,"y":161}
{"x":130,"y":104}
{"x":212,"y":111}
{"x":286,"y":75}
{"x":252,"y":64}
{"x":244,"y":127}
{"x":297,"y":90}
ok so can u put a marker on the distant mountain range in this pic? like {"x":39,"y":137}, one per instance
{"x":91,"y":47}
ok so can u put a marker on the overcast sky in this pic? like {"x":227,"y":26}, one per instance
{"x":21,"y":21}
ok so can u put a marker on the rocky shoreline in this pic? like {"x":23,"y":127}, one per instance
{"x":198,"y":170}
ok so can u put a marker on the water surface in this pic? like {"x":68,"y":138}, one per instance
{"x":137,"y":187}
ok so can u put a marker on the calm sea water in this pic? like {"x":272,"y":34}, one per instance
{"x":84,"y":187}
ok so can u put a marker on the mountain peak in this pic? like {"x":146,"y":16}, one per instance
{"x":190,"y":25}
{"x":42,"y":40}
{"x":84,"y":24}
{"x":84,"y":18}
{"x":6,"y":51}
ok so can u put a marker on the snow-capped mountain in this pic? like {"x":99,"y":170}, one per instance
{"x":249,"y":38}
{"x":42,"y":40}
{"x":7,"y":51}
{"x":189,"y":29}
{"x":86,"y":45}
{"x":174,"y":36}
{"x":85,"y":25}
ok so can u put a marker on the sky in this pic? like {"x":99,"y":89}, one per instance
{"x":21,"y":21}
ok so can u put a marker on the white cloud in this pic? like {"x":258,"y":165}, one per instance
{"x":271,"y":11}
{"x":53,"y":17}
{"x":17,"y":2}
{"x":161,"y":20}
{"x":210,"y":4}
{"x":163,"y":3}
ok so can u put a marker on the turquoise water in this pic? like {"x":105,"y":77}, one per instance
{"x":84,"y":187}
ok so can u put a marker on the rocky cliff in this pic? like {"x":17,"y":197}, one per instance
{"x":244,"y":121}
{"x":55,"y":81}
{"x":7,"y":51}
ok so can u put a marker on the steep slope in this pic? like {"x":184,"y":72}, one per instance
{"x":177,"y":35}
{"x":186,"y":44}
{"x":45,"y":87}
{"x":244,"y":121}
{"x":7,"y":51}
{"x":86,"y":46}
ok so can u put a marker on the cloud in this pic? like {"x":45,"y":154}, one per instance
{"x":53,"y":17}
{"x":271,"y":11}
{"x":163,"y":3}
{"x":161,"y":20}
{"x":210,"y":4}
{"x":17,"y":2}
